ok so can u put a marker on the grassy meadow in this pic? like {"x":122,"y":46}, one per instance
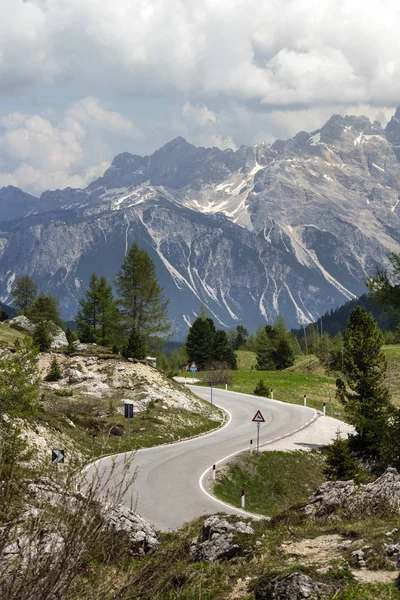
{"x":307,"y":376}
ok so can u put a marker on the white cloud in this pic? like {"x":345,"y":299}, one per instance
{"x":277,"y":52}
{"x":43,"y":152}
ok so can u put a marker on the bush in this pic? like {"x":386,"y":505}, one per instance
{"x":261,"y":389}
{"x":54,"y":373}
{"x":64,"y":393}
{"x":340,"y":465}
{"x":41,"y":336}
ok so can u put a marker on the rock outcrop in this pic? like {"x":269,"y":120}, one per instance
{"x":119,"y":380}
{"x":344,"y":499}
{"x":34,"y":536}
{"x":296,"y":586}
{"x":57,"y":335}
{"x":220,"y":539}
{"x":141,"y":535}
{"x":23,"y":324}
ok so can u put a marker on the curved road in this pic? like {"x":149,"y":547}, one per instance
{"x":168,"y":490}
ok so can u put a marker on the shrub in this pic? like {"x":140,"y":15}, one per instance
{"x":54,"y":373}
{"x":261,"y":389}
{"x":340,"y":465}
{"x":64,"y":393}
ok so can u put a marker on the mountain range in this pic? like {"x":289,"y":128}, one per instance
{"x":290,"y":228}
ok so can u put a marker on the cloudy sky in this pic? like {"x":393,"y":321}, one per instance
{"x":82,"y":80}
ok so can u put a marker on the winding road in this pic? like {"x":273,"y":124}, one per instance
{"x":169,"y":488}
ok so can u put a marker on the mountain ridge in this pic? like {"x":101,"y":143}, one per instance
{"x":291,"y":227}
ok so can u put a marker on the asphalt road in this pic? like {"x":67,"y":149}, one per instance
{"x":169,"y":489}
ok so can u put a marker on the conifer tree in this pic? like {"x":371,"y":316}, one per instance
{"x":283,"y":355}
{"x":261,"y":389}
{"x":98,"y":318}
{"x":45,"y":308}
{"x":134,"y":347}
{"x":364,"y":392}
{"x":340,"y":465}
{"x":222,"y":350}
{"x":264,"y":351}
{"x":24,"y":292}
{"x":200,"y":342}
{"x":54,"y":373}
{"x":141,"y":300}
{"x":41,"y":336}
{"x":19,"y":379}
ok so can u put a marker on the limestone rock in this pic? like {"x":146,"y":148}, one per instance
{"x":23,"y":324}
{"x":141,"y":535}
{"x":219,"y":540}
{"x":79,"y":347}
{"x":58,"y":338}
{"x":296,"y":586}
{"x":345,"y":499}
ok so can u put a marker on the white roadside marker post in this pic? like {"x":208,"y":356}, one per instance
{"x":251,"y":446}
{"x":243,"y":499}
{"x":305,"y":399}
{"x":324,"y":409}
{"x":213,"y":472}
{"x":226,"y":386}
{"x":272,"y":394}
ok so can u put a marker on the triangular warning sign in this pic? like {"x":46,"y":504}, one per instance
{"x":258,"y":418}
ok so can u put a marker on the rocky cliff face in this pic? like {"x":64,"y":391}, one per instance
{"x":291,"y":228}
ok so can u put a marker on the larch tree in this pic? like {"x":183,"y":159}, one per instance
{"x":140,"y":297}
{"x":24,"y":293}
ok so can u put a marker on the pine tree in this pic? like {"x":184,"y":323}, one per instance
{"x":283,"y":355}
{"x":135,"y":347}
{"x":19,"y":389}
{"x":98,"y":318}
{"x":45,"y":308}
{"x":54,"y":373}
{"x":241,"y":336}
{"x":87,"y":317}
{"x":222,"y":350}
{"x":264,"y":351}
{"x":261,"y":389}
{"x":141,"y":300}
{"x":364,"y":393}
{"x":340,"y":465}
{"x":200,"y":342}
{"x":24,"y":292}
{"x":42,"y":337}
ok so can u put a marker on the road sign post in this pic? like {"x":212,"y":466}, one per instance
{"x":193,"y":370}
{"x":258,"y":418}
{"x":330,"y":399}
{"x":129,"y":412}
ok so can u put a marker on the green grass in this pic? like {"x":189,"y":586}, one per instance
{"x":246,"y":360}
{"x":392,"y":351}
{"x":95,"y":434}
{"x":289,"y":386}
{"x":273,"y":481}
{"x":8,"y":335}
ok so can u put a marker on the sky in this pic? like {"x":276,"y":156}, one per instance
{"x":83,"y":80}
